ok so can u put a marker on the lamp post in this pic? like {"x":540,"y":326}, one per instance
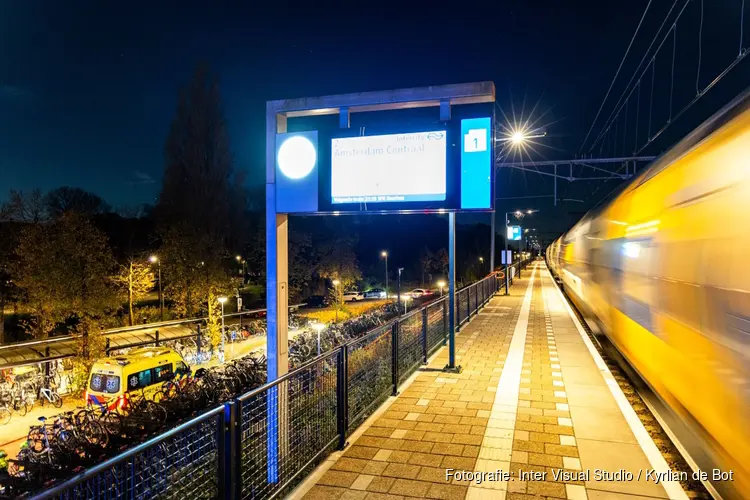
{"x":155,"y":260}
{"x":336,"y":292}
{"x":222,"y":300}
{"x":441,"y":284}
{"x":398,"y":291}
{"x":318,"y":327}
{"x":517,"y":213}
{"x":243,"y":267}
{"x":516,"y":138}
{"x":384,"y":254}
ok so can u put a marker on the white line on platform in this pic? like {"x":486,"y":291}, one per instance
{"x":495,"y":452}
{"x":673,"y":488}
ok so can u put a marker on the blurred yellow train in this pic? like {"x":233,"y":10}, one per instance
{"x":663,"y":269}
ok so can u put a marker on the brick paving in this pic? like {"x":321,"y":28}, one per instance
{"x":507,"y":410}
{"x":437,"y":423}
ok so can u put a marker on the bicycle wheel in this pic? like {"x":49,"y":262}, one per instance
{"x":35,"y":440}
{"x":112,"y":423}
{"x":94,"y":434}
{"x":5,"y":415}
{"x":56,"y":400}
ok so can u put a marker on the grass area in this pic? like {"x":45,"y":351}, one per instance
{"x":349,"y":310}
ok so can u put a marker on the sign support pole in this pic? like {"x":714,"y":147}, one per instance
{"x":492,"y":242}
{"x":452,"y":294}
{"x":277,"y":299}
{"x":507,"y":263}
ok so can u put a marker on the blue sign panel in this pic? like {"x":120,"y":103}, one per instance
{"x":297,"y":172}
{"x":476,"y":163}
{"x":514,"y":233}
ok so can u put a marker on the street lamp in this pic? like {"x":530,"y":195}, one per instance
{"x":384,"y":254}
{"x":155,"y":260}
{"x":398,"y":291}
{"x":222,"y":300}
{"x":318,"y":327}
{"x":517,"y":137}
{"x":441,"y":284}
{"x":336,"y":291}
{"x":518,"y":214}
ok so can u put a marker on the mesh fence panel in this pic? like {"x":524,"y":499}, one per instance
{"x":462,"y":304}
{"x":436,"y":327}
{"x":183,"y":464}
{"x":369,"y":369}
{"x":304,"y":402}
{"x":409,"y":344}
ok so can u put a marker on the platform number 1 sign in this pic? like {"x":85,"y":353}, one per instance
{"x":475,"y":141}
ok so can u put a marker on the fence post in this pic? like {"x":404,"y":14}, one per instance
{"x":445,"y":321}
{"x":394,"y":357}
{"x":106,"y":346}
{"x":424,"y":335}
{"x":342,"y":395}
{"x":156,"y":334}
{"x":235,"y":449}
{"x":222,"y":420}
{"x":457,"y":311}
{"x":198,"y":344}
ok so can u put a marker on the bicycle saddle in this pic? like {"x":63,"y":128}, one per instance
{"x":42,"y":419}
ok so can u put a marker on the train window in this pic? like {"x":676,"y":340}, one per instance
{"x":680,"y":294}
{"x":598,"y":269}
{"x":638,"y":256}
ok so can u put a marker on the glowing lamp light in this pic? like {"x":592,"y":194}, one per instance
{"x":297,"y":157}
{"x":517,"y":137}
{"x":222,"y":300}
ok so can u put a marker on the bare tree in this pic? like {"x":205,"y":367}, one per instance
{"x":29,"y":207}
{"x":69,"y":199}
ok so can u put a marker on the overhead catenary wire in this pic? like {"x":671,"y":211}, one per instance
{"x":617,"y":107}
{"x":616,"y":74}
{"x":700,"y":92}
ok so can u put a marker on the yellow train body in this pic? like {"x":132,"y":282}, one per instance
{"x":664,"y":270}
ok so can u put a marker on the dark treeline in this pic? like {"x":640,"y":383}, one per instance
{"x":70,"y":263}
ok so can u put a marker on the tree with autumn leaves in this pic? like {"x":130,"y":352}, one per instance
{"x":136,"y":279}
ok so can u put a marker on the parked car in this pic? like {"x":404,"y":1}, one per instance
{"x":317,"y":301}
{"x":375,"y":293}
{"x":353,"y":296}
{"x":419,"y":292}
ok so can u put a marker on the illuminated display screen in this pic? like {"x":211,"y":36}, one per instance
{"x":389,"y":168}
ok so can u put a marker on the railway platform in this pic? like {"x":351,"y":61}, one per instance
{"x":534,"y":413}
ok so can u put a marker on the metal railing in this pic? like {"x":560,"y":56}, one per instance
{"x":263,"y":443}
{"x":186,"y":462}
{"x":44,"y":351}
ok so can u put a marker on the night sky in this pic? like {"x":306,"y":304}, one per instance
{"x":88,"y":89}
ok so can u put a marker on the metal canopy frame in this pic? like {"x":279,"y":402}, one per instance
{"x":277,"y":113}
